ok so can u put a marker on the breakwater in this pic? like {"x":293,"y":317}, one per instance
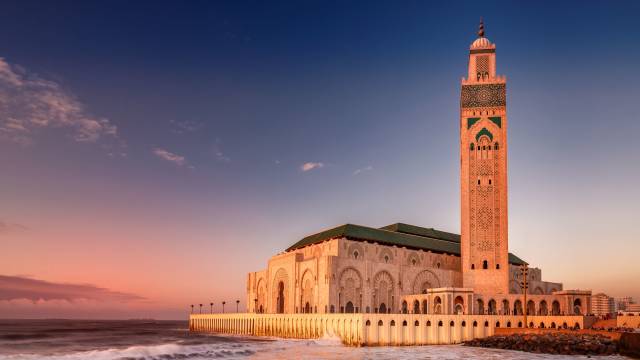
{"x":365,"y":329}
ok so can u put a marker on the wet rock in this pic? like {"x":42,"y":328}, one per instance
{"x":551,"y":343}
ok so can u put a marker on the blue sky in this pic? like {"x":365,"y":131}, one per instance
{"x":218,"y":106}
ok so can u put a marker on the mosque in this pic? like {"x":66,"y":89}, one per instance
{"x":408,"y":269}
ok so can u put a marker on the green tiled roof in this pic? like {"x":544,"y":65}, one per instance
{"x":420,"y":231}
{"x":409,"y":236}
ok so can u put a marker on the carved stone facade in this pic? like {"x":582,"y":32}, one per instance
{"x":483,"y":173}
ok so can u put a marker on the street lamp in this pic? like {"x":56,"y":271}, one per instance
{"x":192,"y":308}
{"x":200,"y":308}
{"x":237,"y":304}
{"x":211,"y":307}
{"x":224,"y":302}
{"x":255,"y":305}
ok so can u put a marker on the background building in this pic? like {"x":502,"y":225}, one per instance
{"x":623,"y":302}
{"x":603,"y":305}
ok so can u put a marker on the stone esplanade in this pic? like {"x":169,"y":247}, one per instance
{"x":405,"y":284}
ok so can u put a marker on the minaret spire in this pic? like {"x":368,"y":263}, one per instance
{"x":481,"y":28}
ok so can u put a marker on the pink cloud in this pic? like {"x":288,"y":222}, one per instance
{"x":19,"y":288}
{"x":308,"y":166}
{"x":169,"y":156}
{"x":29,"y":103}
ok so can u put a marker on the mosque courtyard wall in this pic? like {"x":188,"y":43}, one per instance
{"x":373,"y":329}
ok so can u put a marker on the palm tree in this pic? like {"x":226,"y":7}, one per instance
{"x":200,"y":308}
{"x":224,"y":302}
{"x":211,"y":307}
{"x":237,"y":304}
{"x":192,"y":308}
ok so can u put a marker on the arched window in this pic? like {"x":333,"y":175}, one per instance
{"x":438,"y":265}
{"x":478,"y":181}
{"x":368,"y":323}
{"x":473,"y":266}
{"x":464,"y":323}
{"x":452,"y":323}
{"x":486,"y":324}
{"x":386,"y":258}
{"x":404,"y":307}
{"x":393,"y":323}
{"x":496,"y":146}
{"x":498,"y":266}
{"x":440,"y":323}
{"x":471,"y":146}
{"x":404,"y":323}
{"x":489,"y":181}
{"x":355,"y":254}
{"x":485,"y":264}
{"x":428,"y":322}
{"x":475,"y":324}
{"x":497,"y":324}
{"x":509,"y":324}
{"x":417,"y":323}
{"x":380,"y":323}
{"x":349,"y":308}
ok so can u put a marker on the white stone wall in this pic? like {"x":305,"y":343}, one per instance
{"x":372,"y":329}
{"x":342,"y":274}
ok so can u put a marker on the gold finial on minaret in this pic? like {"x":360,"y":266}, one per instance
{"x":481,"y":28}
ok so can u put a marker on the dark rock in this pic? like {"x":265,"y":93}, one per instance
{"x":551,"y":343}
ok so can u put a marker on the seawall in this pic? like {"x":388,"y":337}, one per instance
{"x":363,"y":329}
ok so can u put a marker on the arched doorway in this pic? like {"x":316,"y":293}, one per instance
{"x":416,"y":307}
{"x":404,"y":307}
{"x":544,"y":310}
{"x":349,"y":308}
{"x":577,"y":307}
{"x":458,"y":305}
{"x":480,"y":307}
{"x":437,"y":305}
{"x":493,"y":310}
{"x":307,"y":308}
{"x":531,"y":307}
{"x":555,"y":308}
{"x":425,"y":307}
{"x":505,"y":307}
{"x":280,"y":298}
{"x":383,"y":308}
{"x":517,"y":307}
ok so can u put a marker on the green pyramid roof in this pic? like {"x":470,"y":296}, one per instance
{"x":399,"y":234}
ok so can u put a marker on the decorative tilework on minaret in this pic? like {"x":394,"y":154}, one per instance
{"x":483,"y":172}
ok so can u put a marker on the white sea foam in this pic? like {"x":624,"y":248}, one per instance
{"x":326,"y":348}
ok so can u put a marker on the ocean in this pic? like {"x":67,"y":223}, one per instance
{"x":169,"y":340}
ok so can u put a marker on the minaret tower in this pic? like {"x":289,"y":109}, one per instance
{"x":483,"y":172}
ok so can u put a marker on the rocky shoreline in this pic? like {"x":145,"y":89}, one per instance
{"x":553,"y":343}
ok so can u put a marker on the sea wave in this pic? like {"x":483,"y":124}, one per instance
{"x":153,"y":352}
{"x":325,"y":348}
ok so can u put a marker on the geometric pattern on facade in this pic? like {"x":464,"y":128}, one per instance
{"x":484,"y":95}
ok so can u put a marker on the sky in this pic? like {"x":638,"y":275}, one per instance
{"x":153,"y":153}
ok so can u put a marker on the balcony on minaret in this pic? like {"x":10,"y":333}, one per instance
{"x":482,"y":61}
